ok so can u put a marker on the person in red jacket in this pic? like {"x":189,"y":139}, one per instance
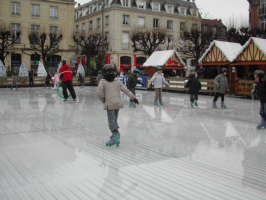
{"x":66,"y":78}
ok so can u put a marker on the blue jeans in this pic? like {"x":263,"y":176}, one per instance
{"x":112,"y":116}
{"x":263,"y":110}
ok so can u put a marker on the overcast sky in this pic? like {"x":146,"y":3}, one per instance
{"x":217,"y":9}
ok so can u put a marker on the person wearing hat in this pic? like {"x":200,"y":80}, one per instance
{"x":220,"y":86}
{"x":108,"y":92}
{"x":158,"y":80}
{"x":132,"y":82}
{"x":261,"y":91}
{"x":194,"y":87}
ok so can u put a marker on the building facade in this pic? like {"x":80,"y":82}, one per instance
{"x":120,"y":17}
{"x":216,"y":26}
{"x":46,"y":16}
{"x":257,"y":14}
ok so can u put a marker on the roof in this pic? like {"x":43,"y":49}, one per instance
{"x":212,"y":22}
{"x":230,"y":50}
{"x":259,"y":42}
{"x":159,"y":58}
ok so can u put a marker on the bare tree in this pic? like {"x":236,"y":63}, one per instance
{"x":45,"y":44}
{"x":8,"y":38}
{"x":147,"y":41}
{"x":236,"y":21}
{"x":194,"y":42}
{"x":91,"y":45}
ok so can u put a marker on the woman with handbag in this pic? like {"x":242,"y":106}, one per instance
{"x":220,"y":86}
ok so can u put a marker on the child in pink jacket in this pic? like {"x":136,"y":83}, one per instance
{"x":56,"y":79}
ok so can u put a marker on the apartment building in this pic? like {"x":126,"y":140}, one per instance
{"x":120,"y":17}
{"x":257,"y":14}
{"x":39,"y":16}
{"x":216,"y":26}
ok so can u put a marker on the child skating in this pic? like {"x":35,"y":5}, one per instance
{"x":108,"y":92}
{"x":194,"y":87}
{"x":261,"y":91}
{"x":220,"y":86}
{"x":132,"y":82}
{"x":158,"y":80}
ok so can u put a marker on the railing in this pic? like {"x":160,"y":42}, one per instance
{"x":242,"y":87}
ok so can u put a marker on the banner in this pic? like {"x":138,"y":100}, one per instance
{"x":142,"y":79}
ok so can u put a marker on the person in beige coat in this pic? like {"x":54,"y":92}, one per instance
{"x":108,"y":92}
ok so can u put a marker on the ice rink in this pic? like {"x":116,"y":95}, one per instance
{"x":50,"y":149}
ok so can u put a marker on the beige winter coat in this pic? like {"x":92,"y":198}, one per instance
{"x":109,"y":94}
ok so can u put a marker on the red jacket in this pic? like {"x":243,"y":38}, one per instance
{"x":66,"y":71}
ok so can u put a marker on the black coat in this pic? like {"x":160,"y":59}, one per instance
{"x":132,"y":81}
{"x":194,"y":85}
{"x":261,"y":90}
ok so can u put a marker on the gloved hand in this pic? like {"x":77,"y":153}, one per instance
{"x":136,"y":101}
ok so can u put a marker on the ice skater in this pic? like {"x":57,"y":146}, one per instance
{"x":132,"y":82}
{"x":261,"y":91}
{"x":108,"y":91}
{"x":220,"y":86}
{"x":47,"y":80}
{"x":194,"y":86}
{"x":158,"y":80}
{"x":56,"y":79}
{"x":14,"y":80}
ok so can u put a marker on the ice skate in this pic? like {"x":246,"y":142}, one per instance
{"x":134,"y":105}
{"x":130,"y":104}
{"x":156,"y":102}
{"x":192,"y":104}
{"x":161,"y":102}
{"x":223,"y":105}
{"x":195,"y":103}
{"x":262,"y":124}
{"x":115,"y":139}
{"x":214,"y":104}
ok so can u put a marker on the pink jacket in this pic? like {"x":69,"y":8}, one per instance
{"x":56,"y":78}
{"x":109,"y":94}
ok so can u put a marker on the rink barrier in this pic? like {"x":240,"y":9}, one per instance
{"x":242,"y":87}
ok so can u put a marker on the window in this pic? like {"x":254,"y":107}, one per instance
{"x":125,"y":19}
{"x":214,"y":30}
{"x":169,"y":9}
{"x":222,"y":31}
{"x":107,"y":20}
{"x":195,"y":26}
{"x":125,"y":40}
{"x":193,"y":62}
{"x":141,"y":22}
{"x":141,"y":5}
{"x":35,"y":10}
{"x":169,"y":24}
{"x":35,"y":29}
{"x":83,"y":27}
{"x":204,"y":28}
{"x":98,"y":23}
{"x":182,"y":26}
{"x":263,"y":22}
{"x":14,"y":29}
{"x":194,"y":13}
{"x":126,"y":3}
{"x":77,"y":28}
{"x":156,"y":7}
{"x":107,"y":41}
{"x":182,"y":11}
{"x":90,"y":25}
{"x":170,"y":43}
{"x":54,"y":31}
{"x":262,"y":10}
{"x":155,"y":23}
{"x":53,"y":12}
{"x":15,"y":8}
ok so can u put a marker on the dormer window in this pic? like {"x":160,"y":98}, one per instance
{"x":141,"y":5}
{"x":194,"y":13}
{"x":169,"y":9}
{"x":182,"y":11}
{"x":214,"y":30}
{"x":156,"y":7}
{"x":126,"y":3}
{"x":204,"y":29}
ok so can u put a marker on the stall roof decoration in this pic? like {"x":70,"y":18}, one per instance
{"x":260,"y":43}
{"x":159,"y":58}
{"x":229,"y":49}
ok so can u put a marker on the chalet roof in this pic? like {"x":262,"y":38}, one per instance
{"x":229,"y":49}
{"x":159,"y":58}
{"x":259,"y":42}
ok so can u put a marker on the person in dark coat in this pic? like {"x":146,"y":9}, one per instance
{"x":200,"y":72}
{"x":261,"y":91}
{"x":47,"y":80}
{"x":220,"y":86}
{"x":194,"y":86}
{"x":132,"y":82}
{"x":31,"y":84}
